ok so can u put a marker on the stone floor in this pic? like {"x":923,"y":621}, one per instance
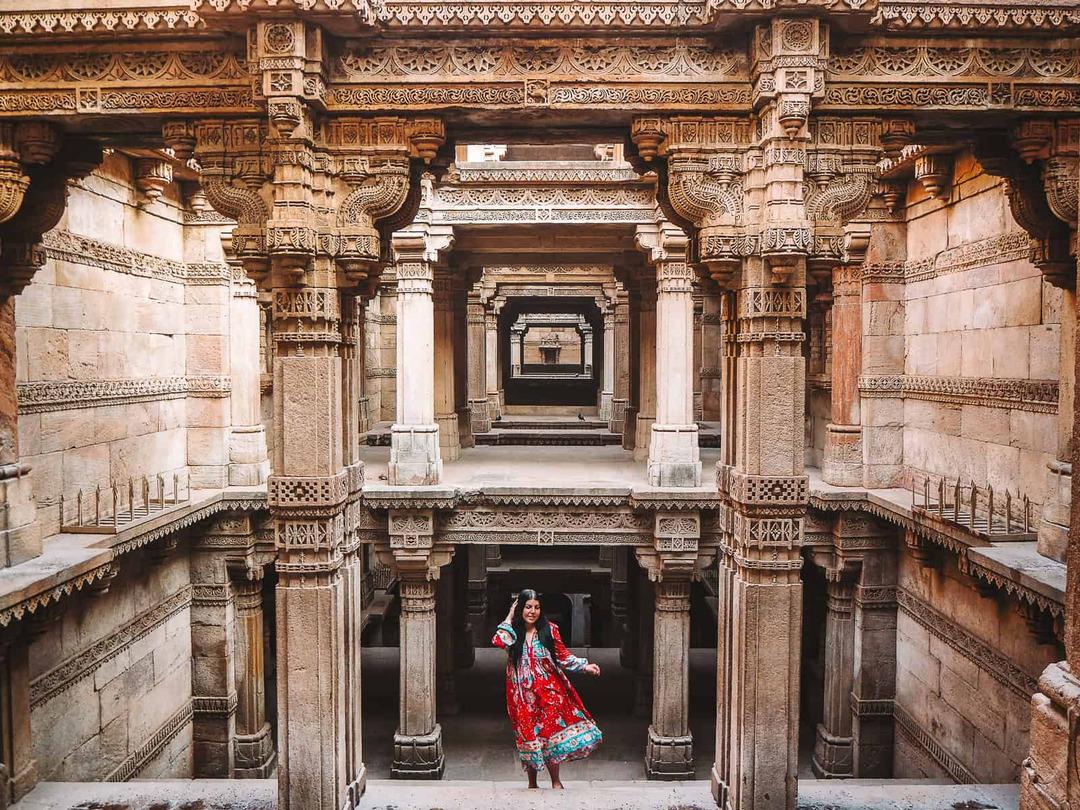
{"x":384,"y":794}
{"x":478,"y":742}
{"x":539,"y":467}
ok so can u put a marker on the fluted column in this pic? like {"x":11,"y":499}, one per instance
{"x":414,"y":451}
{"x":833,"y":741}
{"x":255,"y":755}
{"x":674,"y":459}
{"x":843,"y":436}
{"x":445,"y":412}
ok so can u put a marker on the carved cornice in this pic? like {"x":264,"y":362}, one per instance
{"x":1037,"y":396}
{"x":62,"y":395}
{"x":61,"y":245}
{"x":923,"y":15}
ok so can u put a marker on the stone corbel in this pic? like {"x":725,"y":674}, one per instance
{"x":675,"y":554}
{"x":702,"y":168}
{"x":1051,"y":249}
{"x":788,"y":58}
{"x":412,"y":551}
{"x":934,"y":171}
{"x":152,"y":177}
{"x":235,"y":175}
{"x":32,"y":143}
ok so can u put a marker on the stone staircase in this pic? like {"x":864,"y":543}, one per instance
{"x":562,"y":432}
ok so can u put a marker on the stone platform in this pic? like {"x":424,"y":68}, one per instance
{"x":383,"y":794}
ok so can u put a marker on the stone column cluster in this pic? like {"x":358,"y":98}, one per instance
{"x":309,"y":235}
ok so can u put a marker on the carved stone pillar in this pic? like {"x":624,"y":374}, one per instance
{"x":461,"y":359}
{"x":672,"y":564}
{"x":646,"y":383}
{"x":445,"y":411}
{"x":843,"y":437}
{"x":491,"y":362}
{"x":414,"y":450}
{"x":712,"y":393}
{"x":643,"y":676}
{"x":254,"y":756}
{"x":587,"y":350}
{"x":477,"y":590}
{"x":607,"y":388}
{"x":18,"y":769}
{"x":673,"y":441}
{"x":873,"y":688}
{"x":833,"y":742}
{"x":213,"y":651}
{"x":479,"y":410}
{"x":517,"y":334}
{"x":418,"y":752}
{"x":621,"y":361}
{"x":699,"y":351}
{"x":249,"y":464}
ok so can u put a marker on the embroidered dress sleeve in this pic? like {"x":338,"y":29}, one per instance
{"x":567,"y":660}
{"x":504,"y":636}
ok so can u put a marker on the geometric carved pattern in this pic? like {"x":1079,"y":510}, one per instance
{"x":1037,"y":396}
{"x":767,"y":532}
{"x":769,"y":489}
{"x":314,"y":491}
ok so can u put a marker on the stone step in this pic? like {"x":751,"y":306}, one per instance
{"x":560,"y":438}
{"x":385,"y":794}
{"x":562,"y":424}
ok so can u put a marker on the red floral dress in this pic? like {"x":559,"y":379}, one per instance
{"x":551,"y":725}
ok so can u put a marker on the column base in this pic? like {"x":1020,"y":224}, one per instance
{"x":449,"y":440}
{"x":843,"y":462}
{"x":356,"y":789}
{"x":249,"y":464}
{"x":674,"y":459}
{"x":495,"y":410}
{"x":605,"y":405}
{"x":20,"y":534}
{"x":418,"y":756}
{"x":669,"y":758}
{"x":718,"y":787}
{"x":480,"y":416}
{"x":255,"y":756}
{"x":1045,"y":775}
{"x":833,"y":756}
{"x":414,"y":455}
{"x":643,"y":423}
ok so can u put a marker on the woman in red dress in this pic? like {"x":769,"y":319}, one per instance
{"x":551,"y":725}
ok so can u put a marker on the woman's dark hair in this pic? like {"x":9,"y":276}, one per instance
{"x":543,"y":627}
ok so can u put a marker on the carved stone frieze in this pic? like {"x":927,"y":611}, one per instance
{"x":56,"y":395}
{"x":1038,"y":396}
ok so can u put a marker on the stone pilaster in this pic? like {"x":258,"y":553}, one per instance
{"x":621,"y":361}
{"x":477,"y":594}
{"x":249,"y":464}
{"x":461,"y":358}
{"x":517,"y":335}
{"x":673,"y":439}
{"x":587,"y":350}
{"x":446,"y":416}
{"x":479,"y":411}
{"x":213,"y":651}
{"x":255,"y":757}
{"x":833,"y":741}
{"x":873,"y":688}
{"x":699,"y":351}
{"x":645,"y":659}
{"x":418,"y":752}
{"x":712,"y":348}
{"x":414,"y":452}
{"x":18,"y":767}
{"x":646,"y":382}
{"x":672,"y":564}
{"x":607,"y":385}
{"x":446,"y":686}
{"x":843,"y":464}
{"x":491,"y":362}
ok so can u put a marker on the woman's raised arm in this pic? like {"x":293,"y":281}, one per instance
{"x":504,"y":635}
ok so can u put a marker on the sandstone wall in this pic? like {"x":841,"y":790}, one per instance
{"x":982,"y":340}
{"x":966,"y":668}
{"x":111,"y":679}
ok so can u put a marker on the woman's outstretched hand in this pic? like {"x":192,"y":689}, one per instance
{"x":593,"y":669}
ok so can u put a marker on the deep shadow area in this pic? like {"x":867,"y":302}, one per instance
{"x":477,"y":738}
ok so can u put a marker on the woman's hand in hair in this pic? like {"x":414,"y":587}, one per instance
{"x":510,"y":613}
{"x":593,"y":669}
